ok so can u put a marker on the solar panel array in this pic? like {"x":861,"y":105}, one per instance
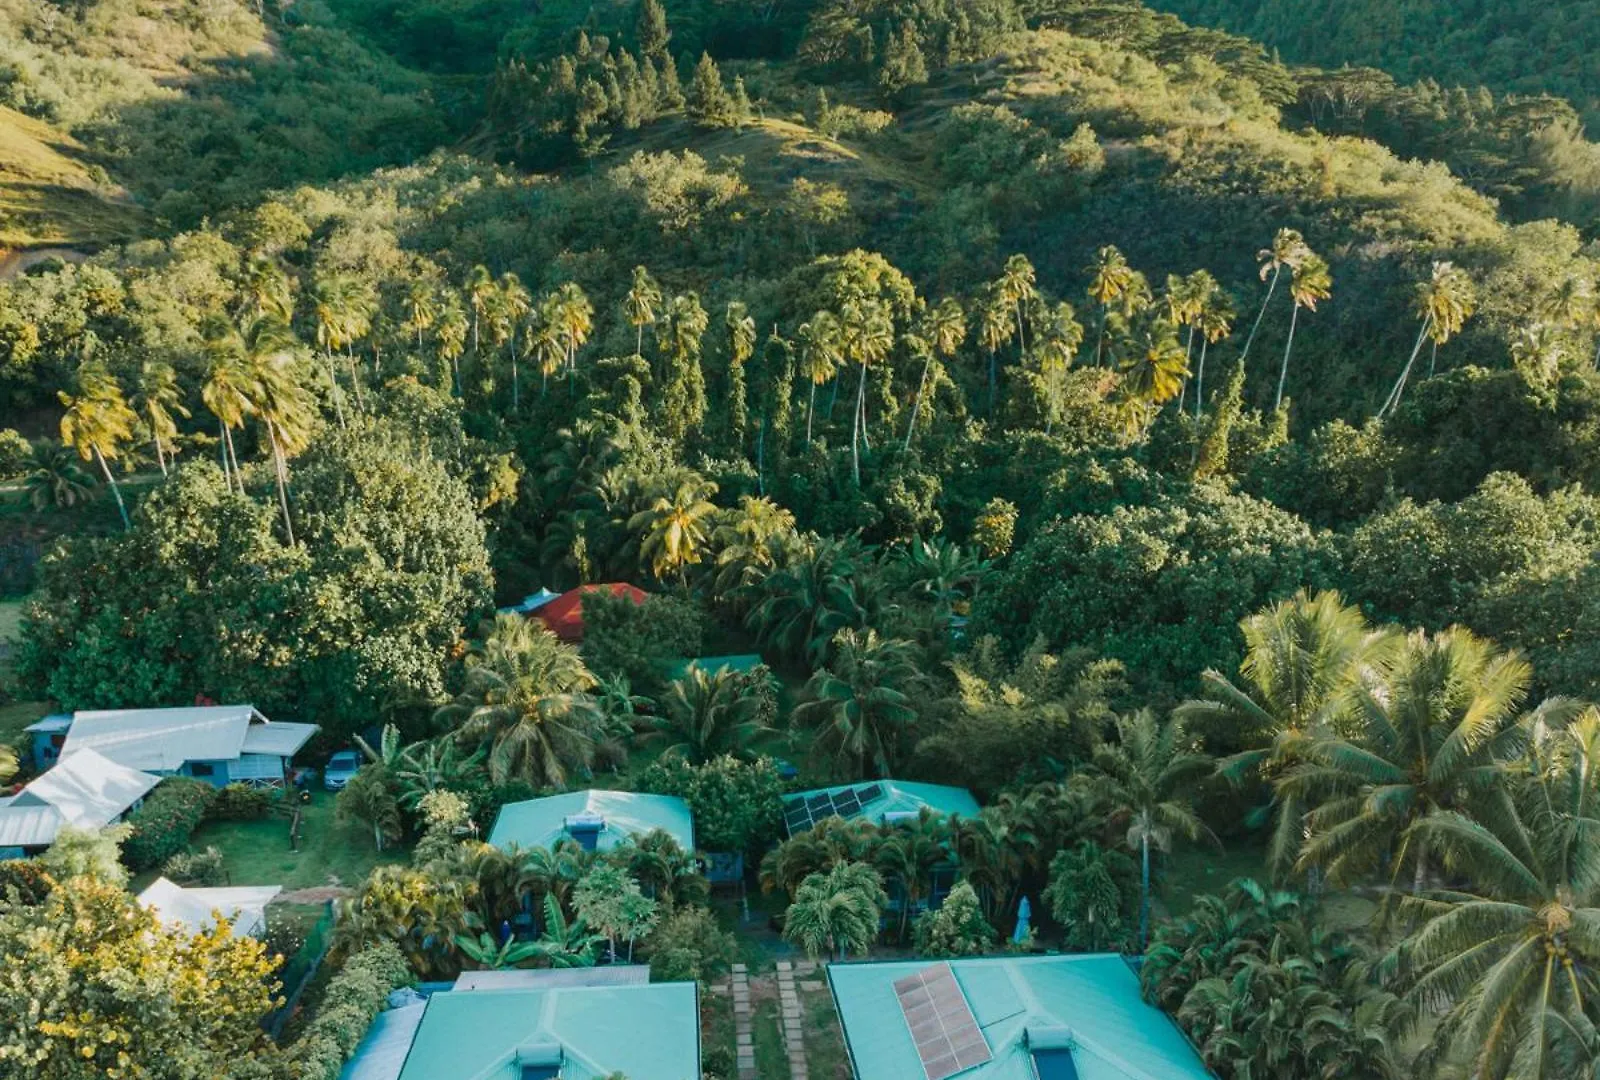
{"x":942,"y":1025}
{"x":801,"y":813}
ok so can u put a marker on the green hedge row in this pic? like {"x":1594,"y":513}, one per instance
{"x":352,"y":999}
{"x":163,"y":825}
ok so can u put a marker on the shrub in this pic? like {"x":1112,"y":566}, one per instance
{"x":242,"y":802}
{"x":958,"y":928}
{"x":27,"y":878}
{"x":639,"y":640}
{"x":354,"y":996}
{"x":689,"y":944}
{"x":16,"y":454}
{"x":163,"y":825}
{"x":736,"y":804}
{"x":202,"y":868}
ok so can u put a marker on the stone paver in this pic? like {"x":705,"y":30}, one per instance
{"x":743,"y":1033}
{"x":793,"y":1025}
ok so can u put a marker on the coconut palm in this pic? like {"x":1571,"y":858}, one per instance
{"x":543,"y":343}
{"x":1289,"y":249}
{"x":1310,"y":283}
{"x":640,"y":305}
{"x":1428,"y":738}
{"x":866,"y":337}
{"x":820,"y":357}
{"x":939,"y":333}
{"x":451,"y":334}
{"x":574,"y":319}
{"x":906,"y":857}
{"x":1152,"y":366}
{"x":1513,"y":953}
{"x":1144,"y":783}
{"x":709,"y":714}
{"x":1017,"y":286}
{"x":515,"y":305}
{"x":1306,"y":659}
{"x":676,"y":527}
{"x":275,"y":360}
{"x":808,"y":600}
{"x":829,"y":842}
{"x":97,"y":424}
{"x":422,"y":308}
{"x":526,"y":694}
{"x":995,"y":328}
{"x":55,"y":479}
{"x":268,"y":289}
{"x":480,"y":289}
{"x":156,"y":397}
{"x":1214,"y":322}
{"x":1444,"y":303}
{"x":1109,"y":279}
{"x":751,"y":540}
{"x":859,"y":707}
{"x":229,"y":392}
{"x":837,"y":913}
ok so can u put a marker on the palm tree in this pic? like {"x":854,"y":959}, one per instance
{"x":807,"y":601}
{"x":906,"y":857}
{"x":709,"y":714}
{"x":1109,"y":279}
{"x":1444,"y":303}
{"x":229,"y":392}
{"x":866,"y":334}
{"x":1289,"y":249}
{"x":820,"y":357}
{"x":644,"y":297}
{"x":1017,"y":287}
{"x":1426,"y":739}
{"x":155,"y":399}
{"x":451,"y":334}
{"x":1153,"y":365}
{"x":1144,"y":782}
{"x":544,"y":344}
{"x":1514,"y":952}
{"x":268,"y":289}
{"x":274,"y":359}
{"x":750,"y":542}
{"x":515,"y":305}
{"x":480,"y":289}
{"x":574,"y":318}
{"x":940,"y":573}
{"x":859,"y":706}
{"x":940,"y":333}
{"x":994,"y":330}
{"x":55,"y":477}
{"x":1306,"y":658}
{"x":675,"y":527}
{"x":1311,"y":282}
{"x":1214,"y":322}
{"x":837,"y":913}
{"x":422,"y":308}
{"x":527,"y":693}
{"x":97,"y":423}
{"x":335,"y":313}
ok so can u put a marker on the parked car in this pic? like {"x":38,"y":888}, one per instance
{"x":341,"y":769}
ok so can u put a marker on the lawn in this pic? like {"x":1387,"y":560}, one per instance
{"x":331,"y":852}
{"x":10,"y":619}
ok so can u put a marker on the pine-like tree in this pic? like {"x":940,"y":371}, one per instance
{"x":707,"y":101}
{"x":651,"y":29}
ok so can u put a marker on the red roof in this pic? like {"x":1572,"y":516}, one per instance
{"x":564,"y":614}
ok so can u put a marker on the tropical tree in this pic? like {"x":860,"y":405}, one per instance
{"x":1444,"y":303}
{"x":268,"y":289}
{"x":274,"y":359}
{"x":1306,"y":659}
{"x":54,"y":477}
{"x":610,"y":900}
{"x":451,"y":334}
{"x":859,"y":706}
{"x":939,"y":333}
{"x":640,"y":305}
{"x":369,"y":799}
{"x":820,"y":357}
{"x":906,"y":856}
{"x":995,"y":328}
{"x":480,"y":290}
{"x":836,"y":913}
{"x":675,"y":528}
{"x":526,"y":693}
{"x":574,"y":320}
{"x":1289,"y":249}
{"x":421,"y":307}
{"x":1214,"y":322}
{"x":680,"y":333}
{"x":1144,"y":782}
{"x":97,"y":424}
{"x":156,"y":397}
{"x":1511,"y":948}
{"x":516,"y":304}
{"x":1310,"y":283}
{"x":1153,"y":367}
{"x":1110,"y":277}
{"x":751,"y":540}
{"x":957,"y":928}
{"x":708,"y":714}
{"x":812,"y":597}
{"x":866,"y":335}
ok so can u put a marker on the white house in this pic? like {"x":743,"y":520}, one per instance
{"x":85,"y":790}
{"x":197,"y":909}
{"x":220,"y":744}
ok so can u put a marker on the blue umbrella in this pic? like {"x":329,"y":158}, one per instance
{"x":1024,"y":913}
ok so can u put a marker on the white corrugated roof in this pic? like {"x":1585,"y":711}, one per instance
{"x":192,"y":908}
{"x":84,"y":789}
{"x":281,"y":739}
{"x":161,"y":740}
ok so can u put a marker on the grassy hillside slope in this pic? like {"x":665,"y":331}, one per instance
{"x":50,"y":195}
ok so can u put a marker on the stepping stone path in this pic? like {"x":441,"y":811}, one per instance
{"x":794,"y":1039}
{"x":743,"y":1033}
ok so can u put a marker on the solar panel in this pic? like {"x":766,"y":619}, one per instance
{"x":819,"y":805}
{"x":797,"y":820}
{"x":942,"y":1026}
{"x":869,"y":793}
{"x":846,"y":804}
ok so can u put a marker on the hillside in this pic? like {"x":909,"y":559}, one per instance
{"x":1508,"y":47}
{"x":50,"y":196}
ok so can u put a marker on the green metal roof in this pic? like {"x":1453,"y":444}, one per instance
{"x":903,"y":797}
{"x":649,"y":1032}
{"x":711,"y":664}
{"x":543,"y":822}
{"x":1113,"y":1034}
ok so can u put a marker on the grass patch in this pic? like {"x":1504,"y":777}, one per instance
{"x":331,"y":852}
{"x":772,"y":1059}
{"x":49,"y":195}
{"x":18,"y":715}
{"x":826,"y":1058}
{"x":1195,"y":870}
{"x":11,"y":619}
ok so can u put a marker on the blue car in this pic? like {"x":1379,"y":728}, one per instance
{"x":342,"y":768}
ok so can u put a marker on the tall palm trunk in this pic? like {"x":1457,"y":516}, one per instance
{"x":516,"y":386}
{"x":1262,"y":313}
{"x":1283,"y":372}
{"x":282,"y":470}
{"x":993,"y":379}
{"x":222,"y":452}
{"x":1144,"y":891}
{"x":638,"y":341}
{"x":333,"y":383}
{"x":1200,"y":377}
{"x":916,"y":405}
{"x":855,"y":434}
{"x":233,"y":453}
{"x":811,"y":408}
{"x":834,"y":400}
{"x":115,"y":489}
{"x":1188,"y":351}
{"x":1100,"y":339}
{"x":161,"y":458}
{"x":1393,"y":399}
{"x":355,"y":378}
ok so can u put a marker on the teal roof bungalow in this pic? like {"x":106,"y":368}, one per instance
{"x":596,"y":820}
{"x":883,"y":802}
{"x":555,"y":1025}
{"x":735,"y":663}
{"x":1077,"y":1017}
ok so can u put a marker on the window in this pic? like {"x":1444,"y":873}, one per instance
{"x":202,"y":768}
{"x":540,"y":1072}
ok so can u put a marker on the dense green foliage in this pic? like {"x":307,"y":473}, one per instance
{"x":164,"y":822}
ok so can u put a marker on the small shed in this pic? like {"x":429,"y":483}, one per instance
{"x":564,"y":614}
{"x":597,"y":820}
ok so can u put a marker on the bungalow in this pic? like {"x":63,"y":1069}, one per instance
{"x":197,"y":909}
{"x":220,"y":744}
{"x":583,"y":1024}
{"x":879,"y":801}
{"x":597,"y":820}
{"x":1006,"y":1018}
{"x":564,"y":614}
{"x":84,"y":790}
